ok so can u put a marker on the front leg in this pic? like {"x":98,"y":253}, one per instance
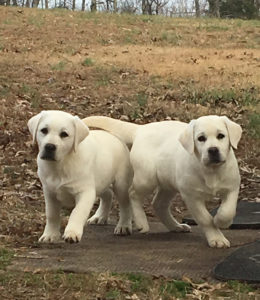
{"x":51,"y":232}
{"x":198,"y":209}
{"x":227,"y":210}
{"x":84,"y":203}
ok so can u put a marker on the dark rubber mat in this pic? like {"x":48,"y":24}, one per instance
{"x":159,"y":253}
{"x":247,"y":216}
{"x":243,"y":264}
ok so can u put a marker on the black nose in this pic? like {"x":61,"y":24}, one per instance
{"x":50,"y":147}
{"x":213,"y":151}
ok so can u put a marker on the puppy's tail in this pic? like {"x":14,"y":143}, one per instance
{"x":124,"y":130}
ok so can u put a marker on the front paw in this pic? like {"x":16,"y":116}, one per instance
{"x":96,"y":219}
{"x":72,"y":235}
{"x":222,"y":221}
{"x":51,"y":237}
{"x":123,"y":229}
{"x":219,"y":242}
{"x":142,"y":227}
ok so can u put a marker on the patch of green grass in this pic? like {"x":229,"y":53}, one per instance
{"x":88,"y":62}
{"x":215,"y":96}
{"x":171,"y":37}
{"x":104,"y":75}
{"x":174,"y":288}
{"x":240,"y":287}
{"x":4,"y":91}
{"x":254,"y":125}
{"x":139,"y":282}
{"x":216,"y":27}
{"x":128,"y":38}
{"x":112,"y":294}
{"x":142,"y":99}
{"x":5,"y":257}
{"x":103,"y":42}
{"x":31,"y":94}
{"x":60,"y":66}
{"x":36,"y":21}
{"x":8,"y":22}
{"x":71,"y":51}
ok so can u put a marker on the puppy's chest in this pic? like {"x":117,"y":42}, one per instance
{"x":63,"y":192}
{"x":215,"y":186}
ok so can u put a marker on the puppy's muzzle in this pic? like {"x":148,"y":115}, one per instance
{"x":214,"y":155}
{"x":49,"y":152}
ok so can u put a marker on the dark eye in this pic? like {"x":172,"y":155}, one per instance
{"x":220,"y":136}
{"x":63,"y":134}
{"x":44,"y":130}
{"x":202,"y":138}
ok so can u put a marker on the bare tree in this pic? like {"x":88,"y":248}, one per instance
{"x":83,"y":5}
{"x":35,"y":3}
{"x":73,"y":4}
{"x":46,"y":4}
{"x":93,"y":5}
{"x":159,"y":5}
{"x":147,"y":7}
{"x":129,"y":6}
{"x":197,"y":8}
{"x":214,"y":8}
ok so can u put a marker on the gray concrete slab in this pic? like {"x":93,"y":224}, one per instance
{"x":158,"y":253}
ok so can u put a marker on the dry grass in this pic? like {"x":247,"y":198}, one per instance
{"x":147,"y":68}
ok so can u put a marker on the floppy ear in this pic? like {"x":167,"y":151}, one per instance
{"x":234,"y":131}
{"x":33,"y":124}
{"x":186,"y":138}
{"x":81,"y":132}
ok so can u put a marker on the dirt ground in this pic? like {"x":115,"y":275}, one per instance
{"x":141,"y":69}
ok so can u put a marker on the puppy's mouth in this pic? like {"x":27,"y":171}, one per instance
{"x":48,"y":156}
{"x":214,"y":162}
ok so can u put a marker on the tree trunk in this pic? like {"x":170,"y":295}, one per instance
{"x":27,"y":3}
{"x":15,"y":3}
{"x":144,"y":9}
{"x":35,"y":3}
{"x":46,"y":4}
{"x":73,"y":4}
{"x":83,"y":5}
{"x":214,"y":8}
{"x":93,"y":6}
{"x":197,"y":8}
{"x":115,"y":6}
{"x":149,"y":9}
{"x":2,"y":2}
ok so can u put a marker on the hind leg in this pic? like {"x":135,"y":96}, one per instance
{"x":121,"y":186}
{"x":102,"y":213}
{"x":143,"y":184}
{"x":161,"y":204}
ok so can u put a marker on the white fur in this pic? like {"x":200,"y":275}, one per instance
{"x":84,"y":166}
{"x":167,"y":157}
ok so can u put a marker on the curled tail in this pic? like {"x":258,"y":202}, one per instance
{"x":124,"y":130}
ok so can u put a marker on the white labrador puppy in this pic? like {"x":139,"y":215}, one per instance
{"x":75,"y":166}
{"x":195,"y":159}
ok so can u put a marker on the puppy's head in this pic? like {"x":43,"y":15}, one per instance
{"x":57,"y":133}
{"x":210,"y":139}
